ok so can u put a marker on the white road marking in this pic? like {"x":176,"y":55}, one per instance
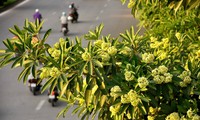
{"x":53,"y":13}
{"x":91,"y":26}
{"x":3,"y":13}
{"x":39,"y":106}
{"x":97,"y":18}
{"x":45,"y":19}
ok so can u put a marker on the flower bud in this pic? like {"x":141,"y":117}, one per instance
{"x":86,"y":56}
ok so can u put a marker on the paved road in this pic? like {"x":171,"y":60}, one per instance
{"x":16,"y":102}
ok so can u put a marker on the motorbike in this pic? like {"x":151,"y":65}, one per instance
{"x":64,"y":30}
{"x":73,"y":17}
{"x":34,"y":87}
{"x":53,"y":97}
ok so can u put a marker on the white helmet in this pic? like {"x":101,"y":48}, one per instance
{"x":63,"y":13}
{"x":36,"y":10}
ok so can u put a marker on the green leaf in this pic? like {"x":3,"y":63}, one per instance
{"x":145,"y":99}
{"x":125,"y":37}
{"x":76,"y":63}
{"x":47,"y":84}
{"x":17,"y":29}
{"x":53,"y":85}
{"x":29,"y":29}
{"x":14,"y":32}
{"x":88,"y":94}
{"x":193,"y":4}
{"x":34,"y":71}
{"x":64,"y":78}
{"x":63,"y":111}
{"x":64,"y":88}
{"x":90,"y":68}
{"x":177,"y":5}
{"x":9,"y":45}
{"x":99,"y":30}
{"x":97,"y":63}
{"x":17,"y":61}
{"x":32,"y":26}
{"x":123,"y":1}
{"x":82,"y":68}
{"x":40,"y":25}
{"x":7,"y":59}
{"x":123,"y":108}
{"x":46,"y":35}
{"x":26,"y":23}
{"x":50,"y":59}
{"x":98,"y":74}
{"x":102,"y":100}
{"x":24,"y":72}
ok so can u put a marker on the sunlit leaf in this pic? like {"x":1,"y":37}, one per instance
{"x":26,"y":70}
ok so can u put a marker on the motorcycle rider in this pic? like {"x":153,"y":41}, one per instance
{"x":63,"y":20}
{"x":73,"y":10}
{"x":31,"y":79}
{"x":55,"y":92}
{"x":37,"y":15}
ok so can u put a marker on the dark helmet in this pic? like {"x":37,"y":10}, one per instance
{"x":71,"y":5}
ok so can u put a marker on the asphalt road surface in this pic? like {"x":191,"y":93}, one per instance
{"x":16,"y":101}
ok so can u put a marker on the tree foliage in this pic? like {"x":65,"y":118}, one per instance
{"x":153,"y":76}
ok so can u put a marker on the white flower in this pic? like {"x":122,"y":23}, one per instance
{"x":129,"y":75}
{"x":105,"y":56}
{"x":173,"y":116}
{"x":112,"y":50}
{"x":190,"y":113}
{"x":105,"y":46}
{"x":143,"y":82}
{"x":155,"y":72}
{"x":187,"y":80}
{"x":196,"y":117}
{"x":114,"y":91}
{"x":147,"y":58}
{"x":126,"y":51}
{"x":114,"y":109}
{"x":183,"y":84}
{"x":157,"y":79}
{"x":86,"y":56}
{"x":162,"y":69}
{"x":178,"y":36}
{"x":168,"y":77}
{"x":98,"y":43}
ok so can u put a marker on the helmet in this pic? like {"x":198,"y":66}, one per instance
{"x":36,"y":10}
{"x":63,"y":13}
{"x":71,"y":5}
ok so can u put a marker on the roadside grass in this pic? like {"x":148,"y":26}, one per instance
{"x":8,"y":3}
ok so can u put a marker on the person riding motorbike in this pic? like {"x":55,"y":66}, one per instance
{"x":37,"y":15}
{"x":64,"y":23}
{"x":54,"y":92}
{"x":31,"y":80}
{"x":73,"y":11}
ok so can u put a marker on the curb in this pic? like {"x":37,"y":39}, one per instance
{"x":10,"y":6}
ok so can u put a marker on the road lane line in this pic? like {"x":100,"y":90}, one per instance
{"x":97,"y":18}
{"x":45,"y":19}
{"x":39,"y":106}
{"x":53,"y":13}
